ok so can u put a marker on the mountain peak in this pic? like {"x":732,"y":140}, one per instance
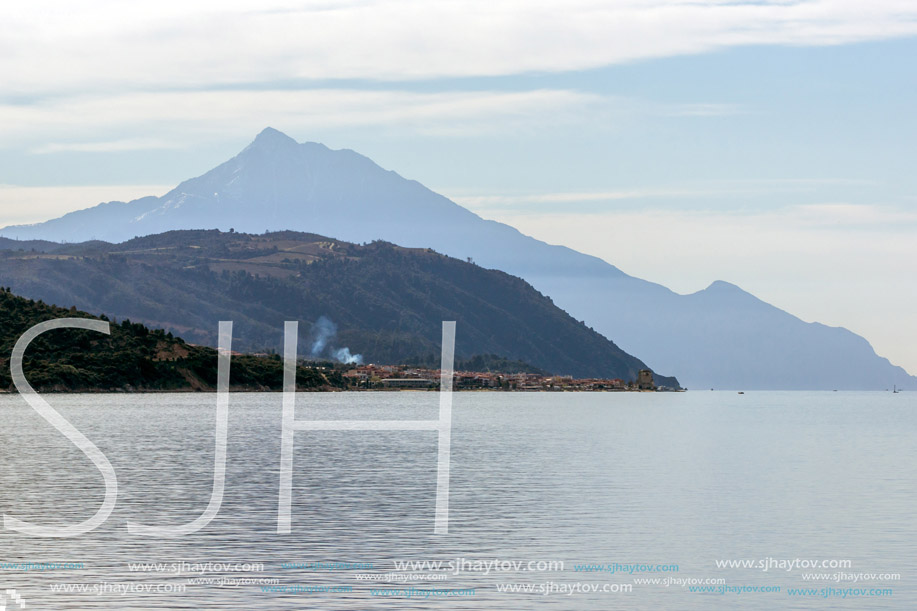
{"x":722,"y":285}
{"x":720,"y":289}
{"x":270,"y":137}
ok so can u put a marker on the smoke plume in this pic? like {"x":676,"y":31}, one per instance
{"x":322,"y":338}
{"x":322,"y":332}
{"x":343,"y":355}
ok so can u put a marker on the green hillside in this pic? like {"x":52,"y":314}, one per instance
{"x":132,"y":357}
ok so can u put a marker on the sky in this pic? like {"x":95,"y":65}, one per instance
{"x":771,"y":144}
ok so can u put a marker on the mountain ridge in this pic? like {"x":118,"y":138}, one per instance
{"x":379,"y":299}
{"x":276,"y":183}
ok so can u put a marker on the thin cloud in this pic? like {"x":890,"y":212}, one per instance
{"x":80,"y":124}
{"x":885,"y":219}
{"x":109,"y":146}
{"x":58,"y":45}
{"x":562,"y":203}
{"x":573,"y":197}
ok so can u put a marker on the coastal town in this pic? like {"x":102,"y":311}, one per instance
{"x":402,"y":377}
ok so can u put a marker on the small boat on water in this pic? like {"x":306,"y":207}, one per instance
{"x":741,"y":392}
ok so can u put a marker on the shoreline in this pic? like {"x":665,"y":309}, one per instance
{"x":321,"y":390}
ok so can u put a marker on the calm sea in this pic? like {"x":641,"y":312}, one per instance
{"x":698,"y":500}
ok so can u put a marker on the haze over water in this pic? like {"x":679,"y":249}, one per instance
{"x":653,"y":479}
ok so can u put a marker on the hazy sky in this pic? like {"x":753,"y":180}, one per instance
{"x":771,"y":143}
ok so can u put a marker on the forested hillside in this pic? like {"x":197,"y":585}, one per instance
{"x":132,"y":357}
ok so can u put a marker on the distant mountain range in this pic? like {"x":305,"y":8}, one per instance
{"x":378,"y":302}
{"x":720,"y":337}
